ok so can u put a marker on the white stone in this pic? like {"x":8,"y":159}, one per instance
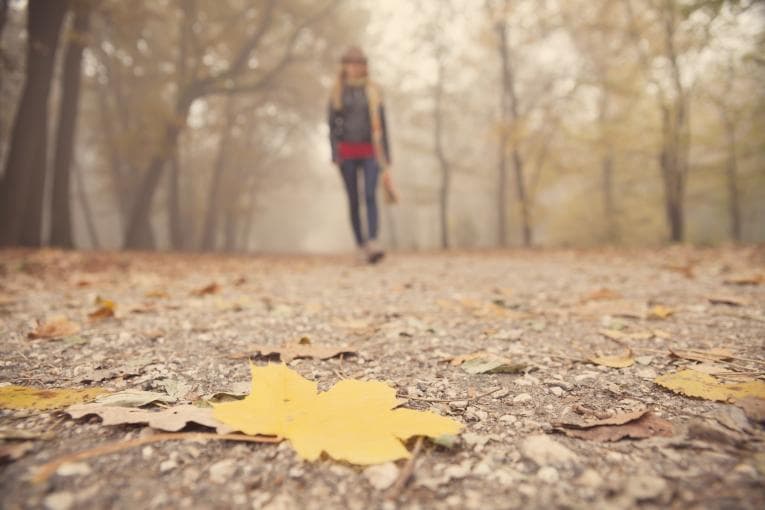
{"x":59,"y":501}
{"x":645,"y":487}
{"x":522,"y":397}
{"x":548,"y":474}
{"x":167,"y":465}
{"x":73,"y":469}
{"x":508,"y":418}
{"x":557,"y":391}
{"x":381,"y":476}
{"x":545,"y":451}
{"x":589,"y":478}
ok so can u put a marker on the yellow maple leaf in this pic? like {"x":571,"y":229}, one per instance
{"x":42,"y":399}
{"x":698,"y":384}
{"x":353,"y":421}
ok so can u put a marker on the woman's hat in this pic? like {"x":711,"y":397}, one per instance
{"x":355,"y":55}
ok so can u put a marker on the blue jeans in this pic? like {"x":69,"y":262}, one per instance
{"x":349,"y":170}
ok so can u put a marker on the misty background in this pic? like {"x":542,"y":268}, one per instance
{"x":201,"y":124}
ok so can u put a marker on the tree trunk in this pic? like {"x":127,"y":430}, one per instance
{"x":22,"y":187}
{"x":214,"y":202}
{"x":502,"y":180}
{"x":441,"y":156}
{"x":607,"y":190}
{"x":138,"y":234}
{"x":174,"y":216}
{"x":87,"y":211}
{"x":607,"y":167}
{"x":3,"y":15}
{"x":61,"y":214}
{"x":731,"y":170}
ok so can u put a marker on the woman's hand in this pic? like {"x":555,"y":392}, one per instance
{"x":391,"y":196}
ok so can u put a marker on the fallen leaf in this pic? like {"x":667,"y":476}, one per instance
{"x":613,"y":334}
{"x":44,"y":399}
{"x":459,"y":360}
{"x":171,"y":419}
{"x":157,"y":294}
{"x":106,"y":309}
{"x":212,"y":288}
{"x":55,"y":327}
{"x":134,"y":398}
{"x":353,"y":421}
{"x":745,"y":279}
{"x":14,"y":451}
{"x":693,"y":383}
{"x":660,"y":312}
{"x":623,"y":361}
{"x":728,"y":300}
{"x":491,"y":364}
{"x":302,"y":348}
{"x":717,"y":354}
{"x":634,"y":425}
{"x":602,"y":294}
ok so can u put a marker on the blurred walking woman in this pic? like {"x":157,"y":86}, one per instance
{"x":359,"y":141}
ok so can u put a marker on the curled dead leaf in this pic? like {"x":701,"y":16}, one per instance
{"x":55,"y":327}
{"x":171,"y":419}
{"x":720,"y":299}
{"x":716,"y":354}
{"x":660,"y":312}
{"x":625,"y":360}
{"x":212,"y":288}
{"x":635,"y":425}
{"x":301,"y":348}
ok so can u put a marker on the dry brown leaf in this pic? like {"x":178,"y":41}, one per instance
{"x":635,"y":425}
{"x":716,"y":354}
{"x":157,"y":294}
{"x":212,"y":288}
{"x":625,"y":360}
{"x":459,"y":360}
{"x":55,"y":327}
{"x":106,"y":309}
{"x":602,"y":294}
{"x":302,"y":348}
{"x":660,"y":312}
{"x":728,"y":300}
{"x":745,"y":279}
{"x":171,"y":419}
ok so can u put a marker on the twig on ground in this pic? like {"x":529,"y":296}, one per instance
{"x":445,"y":400}
{"x":46,"y":470}
{"x":406,"y":473}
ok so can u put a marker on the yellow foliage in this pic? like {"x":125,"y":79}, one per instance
{"x":43,"y":399}
{"x":693,"y":383}
{"x":353,"y":421}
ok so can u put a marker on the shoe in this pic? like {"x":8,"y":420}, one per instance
{"x":374,"y":253}
{"x":362,"y":254}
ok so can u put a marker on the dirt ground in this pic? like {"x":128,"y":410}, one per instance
{"x":548,"y":311}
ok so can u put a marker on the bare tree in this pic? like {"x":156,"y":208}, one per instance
{"x":77,"y":39}
{"x":23,"y":184}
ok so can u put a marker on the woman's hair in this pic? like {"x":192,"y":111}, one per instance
{"x":355,"y":55}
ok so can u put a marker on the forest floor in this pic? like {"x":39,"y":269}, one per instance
{"x":548,"y":311}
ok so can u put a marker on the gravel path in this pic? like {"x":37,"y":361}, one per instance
{"x":547,"y":311}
